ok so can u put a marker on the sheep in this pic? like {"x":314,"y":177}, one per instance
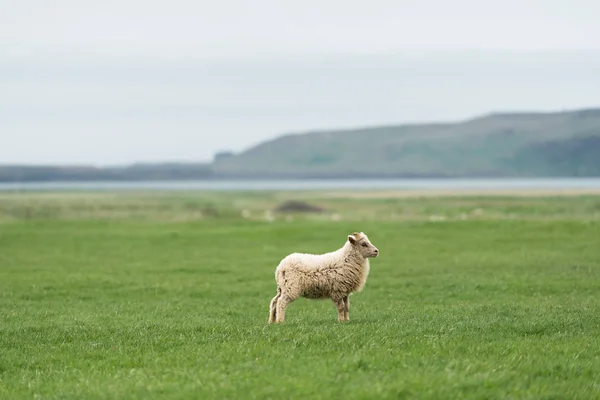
{"x":334,"y":275}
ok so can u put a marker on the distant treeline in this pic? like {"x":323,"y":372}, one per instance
{"x":173,"y":172}
{"x":138,"y":172}
{"x":168,"y":173}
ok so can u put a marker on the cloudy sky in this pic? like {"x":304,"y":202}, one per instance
{"x":126,"y":81}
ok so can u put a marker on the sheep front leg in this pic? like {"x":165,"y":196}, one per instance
{"x":339,"y":304}
{"x":346,"y":300}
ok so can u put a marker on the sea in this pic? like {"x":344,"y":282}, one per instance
{"x":311,"y":184}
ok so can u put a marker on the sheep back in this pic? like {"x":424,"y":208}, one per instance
{"x":332,"y":275}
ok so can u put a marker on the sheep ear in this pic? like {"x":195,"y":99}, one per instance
{"x":351,"y":239}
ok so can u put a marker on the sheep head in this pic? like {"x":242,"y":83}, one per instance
{"x":361,"y":243}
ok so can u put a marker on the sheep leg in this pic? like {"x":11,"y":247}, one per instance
{"x":282,"y":304}
{"x":346,"y":300}
{"x":273,"y":307}
{"x":339,"y":304}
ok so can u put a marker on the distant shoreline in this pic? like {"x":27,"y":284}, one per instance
{"x":299,"y":178}
{"x":438,"y":185}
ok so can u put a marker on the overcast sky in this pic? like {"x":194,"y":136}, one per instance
{"x":116,"y":82}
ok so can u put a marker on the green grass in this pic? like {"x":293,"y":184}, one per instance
{"x":258,"y":206}
{"x":144,"y":306}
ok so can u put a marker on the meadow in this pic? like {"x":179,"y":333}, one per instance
{"x":165,"y":295}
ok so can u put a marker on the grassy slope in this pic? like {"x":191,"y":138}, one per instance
{"x":149,"y":308}
{"x":497,"y":145}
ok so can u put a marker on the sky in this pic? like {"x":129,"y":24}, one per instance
{"x":118,"y":82}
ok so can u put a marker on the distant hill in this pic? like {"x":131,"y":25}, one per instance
{"x":496,"y":145}
{"x":562,"y":144}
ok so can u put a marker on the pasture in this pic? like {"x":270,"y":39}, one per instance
{"x":166,"y":295}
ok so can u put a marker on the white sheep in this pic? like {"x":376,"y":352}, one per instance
{"x":333,"y":275}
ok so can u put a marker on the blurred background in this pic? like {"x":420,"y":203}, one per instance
{"x":233,"y":93}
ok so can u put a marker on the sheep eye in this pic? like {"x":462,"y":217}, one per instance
{"x":364,"y":245}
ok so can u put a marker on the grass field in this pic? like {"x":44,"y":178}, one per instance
{"x":141,"y":295}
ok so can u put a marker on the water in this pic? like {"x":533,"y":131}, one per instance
{"x":362,"y":184}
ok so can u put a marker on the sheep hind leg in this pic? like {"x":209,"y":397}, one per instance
{"x":346,"y":300}
{"x":273,"y":307}
{"x":281,"y":306}
{"x":339,"y":304}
